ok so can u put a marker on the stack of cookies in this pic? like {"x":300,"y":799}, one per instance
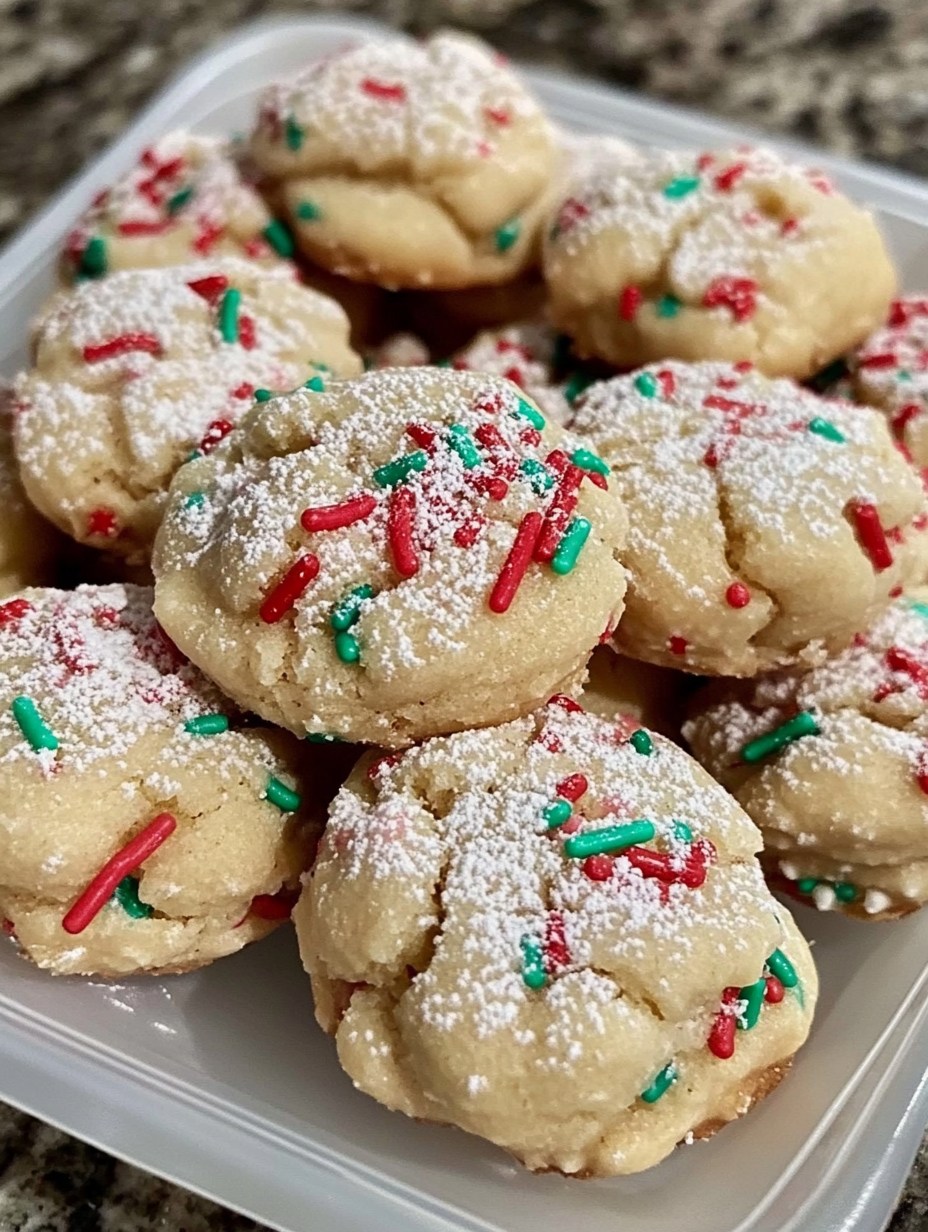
{"x":415,"y":424}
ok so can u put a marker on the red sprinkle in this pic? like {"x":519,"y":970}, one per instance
{"x":101,"y":889}
{"x":871,"y":535}
{"x":671,"y":870}
{"x":721,"y":1041}
{"x":209,"y":235}
{"x":774,"y":992}
{"x":422,"y":435}
{"x":903,"y":418}
{"x":138,"y":227}
{"x":214,"y":434}
{"x":284,"y":595}
{"x":210,"y":287}
{"x":102,"y":522}
{"x":334,"y":517}
{"x":630,"y":301}
{"x":902,"y":311}
{"x":516,"y":563}
{"x":498,"y":115}
{"x":572,"y":787}
{"x":558,"y":513}
{"x":382,"y":763}
{"x":400,"y":517}
{"x":245,"y":390}
{"x":247,"y":332}
{"x":384,"y":89}
{"x":274,"y":906}
{"x":667,"y":382}
{"x":598,"y":868}
{"x":727,"y":179}
{"x":468,"y":532}
{"x":789,"y":226}
{"x":885,"y":359}
{"x":744,"y":365}
{"x":563,"y":702}
{"x":13,"y":611}
{"x":677,"y":645}
{"x":122,"y":344}
{"x":737,"y":294}
{"x":737,"y":595}
{"x":557,"y":952}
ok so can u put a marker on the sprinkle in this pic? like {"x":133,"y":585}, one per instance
{"x":122,"y":344}
{"x":179,"y":200}
{"x":293,"y":134}
{"x":539,"y":477}
{"x":739,"y":295}
{"x":461,"y":442}
{"x":279,"y":238}
{"x":284,"y":595}
{"x":277,"y":906}
{"x":498,"y":115}
{"x":844,"y":891}
{"x":505,"y":236}
{"x":516,"y":563}
{"x":556,"y":813}
{"x":127,"y":895}
{"x":885,"y":359}
{"x":565,"y":703}
{"x":525,"y":410}
{"x":207,"y":725}
{"x":737,"y":595}
{"x":102,"y":523}
{"x":400,"y":521}
{"x":667,"y":869}
{"x":774,"y":992}
{"x":400,"y":469}
{"x":824,"y":428}
{"x":682,"y":186}
{"x":247,"y":335}
{"x":335,"y":517}
{"x":347,"y":647}
{"x":646,"y":385}
{"x":138,"y":227}
{"x":920,"y":608}
{"x":598,"y":868}
{"x":347,"y":610}
{"x":725,"y":180}
{"x":870,"y":534}
{"x":802,"y":724}
{"x":780,"y":966}
{"x":608,"y":839}
{"x":805,"y":885}
{"x":210,"y":287}
{"x":130,"y":857}
{"x":668,"y":306}
{"x":423,"y":435}
{"x":589,"y":461}
{"x":93,"y":259}
{"x":572,"y":787}
{"x":533,"y":963}
{"x":661,"y":1084}
{"x":315,"y":385}
{"x":228,"y":314}
{"x":14,"y":610}
{"x":575,"y":384}
{"x":32,"y":726}
{"x":753,"y":996}
{"x":215,"y":432}
{"x":557,"y":952}
{"x":384,"y":90}
{"x":281,"y":796}
{"x":630,"y":300}
{"x":721,"y":1041}
{"x":558,"y":514}
{"x":677,"y":645}
{"x":308,"y":211}
{"x":195,"y":500}
{"x":466,"y":535}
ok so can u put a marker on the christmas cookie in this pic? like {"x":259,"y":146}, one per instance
{"x":554,"y":934}
{"x":402,"y":350}
{"x":29,"y":546}
{"x":143,"y":826}
{"x":617,"y":686}
{"x":832,"y":764}
{"x":448,"y":320}
{"x":410,"y":164}
{"x":185,"y":200}
{"x":388,"y":558}
{"x":767,"y":525}
{"x":727,"y":255}
{"x":890,"y":371}
{"x":136,"y":372}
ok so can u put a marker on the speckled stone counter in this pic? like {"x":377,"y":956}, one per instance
{"x":851,"y":75}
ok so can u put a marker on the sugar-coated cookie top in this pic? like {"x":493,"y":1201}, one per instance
{"x":890,"y":370}
{"x":526,"y":353}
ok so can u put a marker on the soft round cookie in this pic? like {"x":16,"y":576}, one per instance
{"x":618,"y":687}
{"x":767,"y":525}
{"x":144,"y":826}
{"x":29,"y":546}
{"x":832,"y":765}
{"x":405,"y":554}
{"x":448,"y":320}
{"x":410,"y":164}
{"x":890,"y":371}
{"x":186,"y":199}
{"x":400,"y":350}
{"x":135,"y":372}
{"x":727,"y":255}
{"x":548,"y":933}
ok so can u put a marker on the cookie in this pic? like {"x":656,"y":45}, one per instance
{"x":144,"y":827}
{"x":548,"y":933}
{"x":890,"y":371}
{"x":618,"y":687}
{"x":393,"y":557}
{"x":448,"y":320}
{"x":831,"y":765}
{"x":136,"y":372}
{"x":727,"y":255}
{"x":401,"y":350}
{"x":767,"y":526}
{"x":186,"y":199}
{"x":29,"y":546}
{"x":409,"y":164}
{"x":371,"y":311}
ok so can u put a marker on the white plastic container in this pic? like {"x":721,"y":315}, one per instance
{"x":221,"y":1081}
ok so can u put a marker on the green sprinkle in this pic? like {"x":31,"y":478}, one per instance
{"x":589,"y":461}
{"x":195,"y":499}
{"x":802,"y":725}
{"x":903,"y":375}
{"x":921,"y":608}
{"x":641,"y":742}
{"x":681,"y":187}
{"x":280,"y":795}
{"x":780,"y":966}
{"x":538,"y":475}
{"x":93,"y":258}
{"x":263,"y":395}
{"x":39,"y":735}
{"x":347,"y":647}
{"x":228,"y":314}
{"x":506,"y":235}
{"x":826,"y":429}
{"x":646,"y":384}
{"x":323,"y":738}
{"x":278,"y":236}
{"x":753,"y":996}
{"x":207,"y":725}
{"x":400,"y":469}
{"x":192,"y":457}
{"x":533,"y":962}
{"x":805,"y":885}
{"x":293,"y":134}
{"x":525,"y":410}
{"x":346,"y":611}
{"x":661,"y":1084}
{"x":608,"y":839}
{"x":575,"y":384}
{"x":316,"y":384}
{"x":556,"y":813}
{"x":308,"y":211}
{"x":179,"y":200}
{"x":462,"y":443}
{"x":828,"y":375}
{"x":127,"y":895}
{"x":668,"y":306}
{"x":571,"y":545}
{"x":844,"y":891}
{"x":682,"y":832}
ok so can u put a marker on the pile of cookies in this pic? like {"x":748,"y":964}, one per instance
{"x":413,"y":423}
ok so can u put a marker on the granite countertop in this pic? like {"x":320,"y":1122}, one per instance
{"x":848,"y":74}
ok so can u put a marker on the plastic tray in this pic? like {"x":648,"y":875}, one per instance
{"x":221,"y":1081}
